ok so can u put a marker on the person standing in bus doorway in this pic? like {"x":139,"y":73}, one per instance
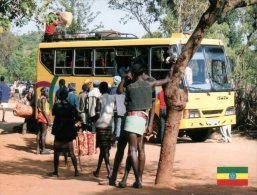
{"x":104,"y":115}
{"x":64,"y":131}
{"x":163,"y":113}
{"x":43,"y":121}
{"x":93,"y":96}
{"x":139,"y":102}
{"x":4,"y":96}
{"x":61,"y":87}
{"x":52,"y":22}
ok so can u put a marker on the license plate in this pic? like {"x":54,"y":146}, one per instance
{"x":212,"y":122}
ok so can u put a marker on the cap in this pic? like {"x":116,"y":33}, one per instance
{"x":72,"y":86}
{"x":87,"y":81}
{"x":96,"y":83}
{"x":116,"y":80}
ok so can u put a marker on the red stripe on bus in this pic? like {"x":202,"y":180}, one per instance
{"x":43,"y":84}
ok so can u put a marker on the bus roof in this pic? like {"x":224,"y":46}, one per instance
{"x":176,"y":39}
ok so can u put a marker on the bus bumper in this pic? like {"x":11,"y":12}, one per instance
{"x":195,"y":123}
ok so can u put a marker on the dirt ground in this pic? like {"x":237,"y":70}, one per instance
{"x":24,"y":172}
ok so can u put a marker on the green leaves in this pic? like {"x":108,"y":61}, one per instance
{"x":15,"y":11}
{"x":18,"y":56}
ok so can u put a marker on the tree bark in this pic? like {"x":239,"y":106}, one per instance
{"x":176,"y":98}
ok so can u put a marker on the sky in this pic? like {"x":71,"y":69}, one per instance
{"x":110,"y":19}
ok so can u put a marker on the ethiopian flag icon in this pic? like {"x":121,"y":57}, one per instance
{"x":232,"y":176}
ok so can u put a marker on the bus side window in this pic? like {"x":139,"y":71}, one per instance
{"x":159,"y":67}
{"x":104,"y":62}
{"x":143,"y":53}
{"x":64,"y":62}
{"x":83,"y":62}
{"x":47,"y":58}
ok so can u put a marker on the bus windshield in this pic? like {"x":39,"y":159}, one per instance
{"x":208,"y":71}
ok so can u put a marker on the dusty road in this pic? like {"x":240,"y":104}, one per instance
{"x":24,"y":172}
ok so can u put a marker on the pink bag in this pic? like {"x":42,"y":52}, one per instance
{"x":91,"y":139}
{"x":85,"y":144}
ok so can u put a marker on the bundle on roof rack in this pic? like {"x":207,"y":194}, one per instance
{"x":100,"y":35}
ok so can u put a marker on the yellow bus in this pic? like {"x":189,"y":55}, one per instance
{"x":81,"y":57}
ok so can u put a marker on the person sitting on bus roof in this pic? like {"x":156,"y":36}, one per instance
{"x":53,"y":21}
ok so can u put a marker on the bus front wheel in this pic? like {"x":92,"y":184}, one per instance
{"x":199,"y":135}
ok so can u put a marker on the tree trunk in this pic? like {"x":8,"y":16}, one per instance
{"x":168,"y":147}
{"x":176,"y":98}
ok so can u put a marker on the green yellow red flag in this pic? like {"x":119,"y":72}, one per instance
{"x":232,"y":176}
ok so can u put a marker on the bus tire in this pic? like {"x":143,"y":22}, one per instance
{"x":199,"y":135}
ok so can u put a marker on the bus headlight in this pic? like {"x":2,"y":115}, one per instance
{"x":191,"y":113}
{"x":230,"y":111}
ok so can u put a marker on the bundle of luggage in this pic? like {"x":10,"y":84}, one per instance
{"x":85,"y":143}
{"x":23,"y":110}
{"x":66,"y":18}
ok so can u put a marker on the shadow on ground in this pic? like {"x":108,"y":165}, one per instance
{"x":30,"y":145}
{"x":8,"y":128}
{"x":38,"y":167}
{"x":184,"y":190}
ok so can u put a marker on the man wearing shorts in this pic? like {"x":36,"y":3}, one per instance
{"x":4,"y":94}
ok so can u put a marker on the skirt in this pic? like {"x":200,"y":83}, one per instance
{"x":104,"y":137}
{"x":60,"y":146}
{"x":136,"y":123}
